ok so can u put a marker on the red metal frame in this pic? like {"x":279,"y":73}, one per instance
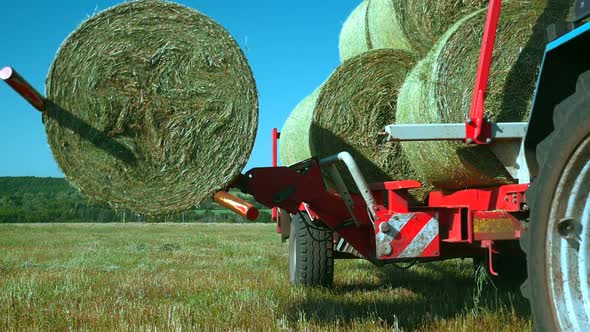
{"x":477,"y":129}
{"x":289,"y":187}
{"x":467,"y":221}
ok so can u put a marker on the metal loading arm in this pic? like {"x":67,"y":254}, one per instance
{"x":357,"y":176}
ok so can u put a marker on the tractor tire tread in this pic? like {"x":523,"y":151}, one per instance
{"x":567,"y":112}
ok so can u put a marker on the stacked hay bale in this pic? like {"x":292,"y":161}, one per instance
{"x":354,"y":37}
{"x":295,"y":141}
{"x":348,"y":113}
{"x":409,"y":25}
{"x":153,"y":107}
{"x":350,"y":110}
{"x":445,"y":36}
{"x":439,"y":90}
{"x":415,"y":25}
{"x":353,"y":107}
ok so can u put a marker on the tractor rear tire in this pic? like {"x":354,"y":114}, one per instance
{"x":311,"y":254}
{"x":557,"y":241}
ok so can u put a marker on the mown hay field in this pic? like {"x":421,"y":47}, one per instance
{"x":225,"y":277}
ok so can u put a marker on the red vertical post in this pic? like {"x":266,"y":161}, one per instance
{"x":275,"y":140}
{"x":275,"y":135}
{"x":477,"y":130}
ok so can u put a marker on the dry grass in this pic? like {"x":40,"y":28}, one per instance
{"x":223,"y":277}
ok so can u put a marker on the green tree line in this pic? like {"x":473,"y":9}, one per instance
{"x":42,"y":200}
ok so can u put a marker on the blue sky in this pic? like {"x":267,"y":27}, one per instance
{"x":292,"y":47}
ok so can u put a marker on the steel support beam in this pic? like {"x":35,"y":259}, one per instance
{"x":503,"y":131}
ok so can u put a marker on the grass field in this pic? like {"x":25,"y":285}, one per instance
{"x":224,"y":277}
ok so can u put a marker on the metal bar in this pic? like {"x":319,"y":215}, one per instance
{"x":23,"y":88}
{"x":236,"y":205}
{"x":476,"y":119}
{"x":452,"y":131}
{"x":343,"y":191}
{"x":357,"y":176}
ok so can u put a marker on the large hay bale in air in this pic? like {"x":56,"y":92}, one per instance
{"x":294,"y":142}
{"x":408,"y":25}
{"x":354,"y":38}
{"x":440,"y":88}
{"x":154,"y":107}
{"x":353,"y":108}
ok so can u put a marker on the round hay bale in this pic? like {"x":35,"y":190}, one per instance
{"x":416,"y":25}
{"x":354,"y":37}
{"x":154,"y":107}
{"x":384,"y":27}
{"x":409,"y":25}
{"x":354,"y":106}
{"x":439,"y":90}
{"x":294,"y":142}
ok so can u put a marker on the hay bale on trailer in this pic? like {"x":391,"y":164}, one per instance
{"x":409,"y":25}
{"x":415,"y":25}
{"x":354,"y":38}
{"x":353,"y":107}
{"x":153,"y":107}
{"x":295,"y":140}
{"x":440,"y":88}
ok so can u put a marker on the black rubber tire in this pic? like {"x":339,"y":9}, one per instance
{"x":311,"y":254}
{"x":572,"y":126}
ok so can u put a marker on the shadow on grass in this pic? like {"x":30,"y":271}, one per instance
{"x":409,"y":299}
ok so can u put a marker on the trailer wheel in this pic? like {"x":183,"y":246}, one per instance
{"x":311,"y":256}
{"x":558,"y":239}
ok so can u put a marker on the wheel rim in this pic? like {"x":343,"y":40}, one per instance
{"x":568,"y":243}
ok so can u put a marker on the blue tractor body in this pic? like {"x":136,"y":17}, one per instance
{"x":566,"y":58}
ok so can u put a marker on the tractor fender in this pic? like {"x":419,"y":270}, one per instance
{"x":565,"y":59}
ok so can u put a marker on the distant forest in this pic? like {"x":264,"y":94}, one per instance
{"x":42,"y":200}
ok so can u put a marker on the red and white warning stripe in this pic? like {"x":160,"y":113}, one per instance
{"x":408,"y":236}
